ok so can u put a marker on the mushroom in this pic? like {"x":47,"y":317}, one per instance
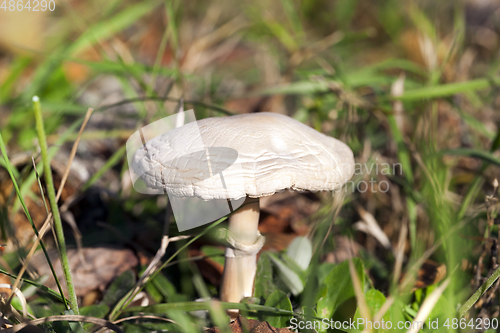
{"x":274,"y":153}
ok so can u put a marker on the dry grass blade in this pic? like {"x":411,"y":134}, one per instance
{"x":398,"y":266}
{"x":383,"y":309}
{"x":40,"y":186}
{"x":41,"y":233}
{"x":165,"y":98}
{"x":20,"y":295}
{"x":196,"y":51}
{"x":70,"y":318}
{"x":360,"y":298}
{"x":154,"y":264}
{"x":427,"y":306}
{"x":143,"y":317}
{"x":370,"y":226}
{"x":73,"y":153}
{"x":398,"y":89}
{"x":318,"y":47}
{"x":410,"y":277}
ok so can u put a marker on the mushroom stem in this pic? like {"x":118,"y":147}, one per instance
{"x":241,"y":255}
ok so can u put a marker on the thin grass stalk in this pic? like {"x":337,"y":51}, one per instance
{"x":480,"y":292}
{"x":428,"y":305}
{"x":46,"y":224}
{"x":37,"y":285}
{"x":68,"y":318}
{"x":53,"y":205}
{"x":360,"y":297}
{"x":28,"y":216}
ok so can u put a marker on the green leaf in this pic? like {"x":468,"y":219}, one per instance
{"x":291,"y":279}
{"x":119,"y":288}
{"x":290,"y":263}
{"x":279,"y":300}
{"x":164,"y":286}
{"x":148,"y":327}
{"x":300,"y":250}
{"x":183,"y":321}
{"x":75,"y":327}
{"x":96,"y":310}
{"x":264,"y":284}
{"x":339,"y":288}
{"x":215,"y":253}
{"x":153,"y":292}
{"x":323,"y":270}
{"x":374,"y":299}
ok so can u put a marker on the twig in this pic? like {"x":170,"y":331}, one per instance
{"x":71,"y":318}
{"x":156,"y":98}
{"x":19,"y":294}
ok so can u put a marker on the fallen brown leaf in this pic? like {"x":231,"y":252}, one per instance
{"x":102,"y":265}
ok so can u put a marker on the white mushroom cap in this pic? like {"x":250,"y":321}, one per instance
{"x":257,"y":155}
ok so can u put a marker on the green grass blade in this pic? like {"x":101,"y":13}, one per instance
{"x":477,"y":182}
{"x":49,"y":183}
{"x":28,"y":215}
{"x":484,"y":155}
{"x":106,"y":29}
{"x":219,"y":317}
{"x":26,"y":185}
{"x":293,"y":18}
{"x":447,"y":89}
{"x":43,"y":288}
{"x":475,"y":297}
{"x":118,"y":68}
{"x":111,"y":162}
{"x":17,"y":69}
{"x":196,"y":306}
